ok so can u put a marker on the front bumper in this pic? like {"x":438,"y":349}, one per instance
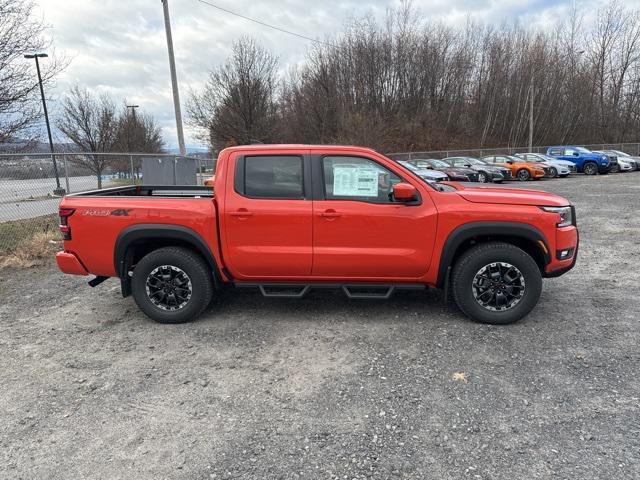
{"x":567,"y":238}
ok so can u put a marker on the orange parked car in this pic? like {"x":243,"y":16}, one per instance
{"x":520,"y":169}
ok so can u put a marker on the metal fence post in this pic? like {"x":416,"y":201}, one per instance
{"x":175,"y":164}
{"x":133,"y":178}
{"x":66,"y":173}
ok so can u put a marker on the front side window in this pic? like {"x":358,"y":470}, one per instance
{"x":273,"y":176}
{"x":357,"y":178}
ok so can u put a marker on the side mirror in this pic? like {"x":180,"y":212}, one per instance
{"x":468,"y":165}
{"x":404,"y":192}
{"x":576,"y":154}
{"x":510,"y":161}
{"x":208,"y":182}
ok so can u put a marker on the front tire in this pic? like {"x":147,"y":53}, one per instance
{"x":172,"y":285}
{"x":496,"y":283}
{"x":553,"y":172}
{"x":483,"y":177}
{"x":590,"y":168}
{"x":523,"y":175}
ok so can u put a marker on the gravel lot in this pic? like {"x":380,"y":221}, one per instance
{"x":326,"y":387}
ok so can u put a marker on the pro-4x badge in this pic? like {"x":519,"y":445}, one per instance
{"x":121,"y":212}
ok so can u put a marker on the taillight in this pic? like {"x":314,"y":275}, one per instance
{"x":65,"y":229}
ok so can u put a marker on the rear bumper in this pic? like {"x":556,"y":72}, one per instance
{"x":69,"y":263}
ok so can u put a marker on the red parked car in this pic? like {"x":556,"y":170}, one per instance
{"x":288,"y":218}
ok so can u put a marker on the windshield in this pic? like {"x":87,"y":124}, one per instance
{"x":469,"y":160}
{"x":582,"y":150}
{"x":439,"y":163}
{"x":408,"y":165}
{"x":620,"y":154}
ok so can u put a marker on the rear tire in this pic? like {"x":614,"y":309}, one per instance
{"x":490,"y":274}
{"x":172,"y":285}
{"x":590,"y":168}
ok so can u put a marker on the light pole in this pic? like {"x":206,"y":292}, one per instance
{"x":58,"y":190}
{"x":533,"y":75}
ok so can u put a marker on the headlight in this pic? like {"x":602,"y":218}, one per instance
{"x":566,"y":215}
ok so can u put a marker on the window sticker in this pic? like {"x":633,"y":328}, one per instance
{"x":355,"y":181}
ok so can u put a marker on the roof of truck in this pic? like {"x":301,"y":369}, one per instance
{"x":292,"y":146}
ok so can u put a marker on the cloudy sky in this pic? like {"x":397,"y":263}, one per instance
{"x":119,"y":46}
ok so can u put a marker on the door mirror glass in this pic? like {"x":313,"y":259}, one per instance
{"x":404,"y":192}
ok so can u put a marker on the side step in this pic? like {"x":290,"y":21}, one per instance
{"x":352,"y":290}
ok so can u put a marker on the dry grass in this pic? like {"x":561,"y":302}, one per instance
{"x":34,"y":251}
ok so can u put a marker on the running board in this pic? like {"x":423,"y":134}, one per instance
{"x":351,"y":290}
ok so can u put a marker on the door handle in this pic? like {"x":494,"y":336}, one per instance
{"x":241,"y":213}
{"x":330,"y":214}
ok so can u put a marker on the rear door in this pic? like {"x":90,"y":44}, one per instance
{"x":359,"y":231}
{"x":267,"y":218}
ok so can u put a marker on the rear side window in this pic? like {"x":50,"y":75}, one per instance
{"x":271,"y":176}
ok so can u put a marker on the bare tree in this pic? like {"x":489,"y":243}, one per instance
{"x":238,"y":102}
{"x":20,"y":33}
{"x":91,"y":123}
{"x":138,"y":132}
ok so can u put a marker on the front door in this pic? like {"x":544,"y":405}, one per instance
{"x":267,"y":218}
{"x":359,"y":231}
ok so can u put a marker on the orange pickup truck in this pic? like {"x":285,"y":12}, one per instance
{"x":289,"y":218}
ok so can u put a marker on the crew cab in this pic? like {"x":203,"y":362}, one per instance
{"x":586,"y":161}
{"x":289,"y":218}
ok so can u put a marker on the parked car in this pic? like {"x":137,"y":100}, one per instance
{"x":586,"y":161}
{"x":520,"y":169}
{"x":621,"y":164}
{"x":456,"y":174}
{"x":425,"y":173}
{"x":486,"y":172}
{"x":288,"y":218}
{"x":558,"y":168}
{"x":626,"y":157}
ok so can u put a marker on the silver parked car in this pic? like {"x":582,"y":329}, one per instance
{"x":625,"y":157}
{"x":424,"y":173}
{"x":557,"y":168}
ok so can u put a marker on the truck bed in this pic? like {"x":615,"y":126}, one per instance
{"x":162,"y":191}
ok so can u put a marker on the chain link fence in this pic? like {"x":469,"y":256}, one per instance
{"x":30,"y":190}
{"x":630,"y":148}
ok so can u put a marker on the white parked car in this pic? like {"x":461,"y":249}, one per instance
{"x":559,"y":168}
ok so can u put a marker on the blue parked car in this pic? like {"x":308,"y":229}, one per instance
{"x":586,"y":161}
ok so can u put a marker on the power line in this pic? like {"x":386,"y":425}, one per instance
{"x":289,"y":32}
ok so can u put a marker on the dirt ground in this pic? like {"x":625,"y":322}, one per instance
{"x":326,"y":387}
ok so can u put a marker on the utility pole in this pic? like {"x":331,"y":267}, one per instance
{"x":133,"y":109}
{"x":58,"y":190}
{"x":531,"y":113}
{"x":174,"y":78}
